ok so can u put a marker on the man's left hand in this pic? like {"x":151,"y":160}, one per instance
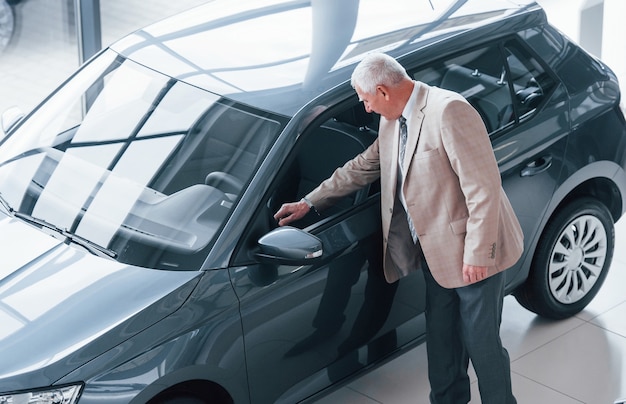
{"x":473,"y":274}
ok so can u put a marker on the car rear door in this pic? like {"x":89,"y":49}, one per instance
{"x":531,"y":149}
{"x":525,"y":111}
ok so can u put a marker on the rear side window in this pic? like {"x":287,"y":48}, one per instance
{"x":575,"y":67}
{"x":502,"y":81}
{"x":480,"y":77}
{"x":530,"y":83}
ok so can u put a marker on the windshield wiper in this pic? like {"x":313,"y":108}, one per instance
{"x":5,"y":204}
{"x":69,"y":236}
{"x":89,"y":245}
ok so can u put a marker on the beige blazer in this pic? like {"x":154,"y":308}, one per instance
{"x":452,"y":189}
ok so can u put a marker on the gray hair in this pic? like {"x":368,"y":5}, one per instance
{"x":377,"y":69}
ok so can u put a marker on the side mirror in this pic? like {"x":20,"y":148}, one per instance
{"x":290,"y":246}
{"x":10,"y":118}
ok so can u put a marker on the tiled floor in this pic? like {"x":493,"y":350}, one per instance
{"x":578,"y":360}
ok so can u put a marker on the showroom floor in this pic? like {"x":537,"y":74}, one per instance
{"x":578,"y":360}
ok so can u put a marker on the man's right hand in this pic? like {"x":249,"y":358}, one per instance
{"x":290,"y":212}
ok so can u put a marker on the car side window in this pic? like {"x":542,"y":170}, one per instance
{"x":531,"y":83}
{"x":324,"y":145}
{"x":320,"y":151}
{"x":576,"y":69}
{"x":481,"y":77}
{"x":487,"y":77}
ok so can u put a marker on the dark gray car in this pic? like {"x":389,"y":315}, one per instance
{"x":140,"y":259}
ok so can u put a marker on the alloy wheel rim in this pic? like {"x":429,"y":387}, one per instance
{"x":577,"y":259}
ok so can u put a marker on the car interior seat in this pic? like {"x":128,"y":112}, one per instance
{"x":488,"y":94}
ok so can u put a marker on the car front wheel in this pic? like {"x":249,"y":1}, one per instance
{"x":571,"y":262}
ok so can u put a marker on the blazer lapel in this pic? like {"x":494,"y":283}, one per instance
{"x":415,"y":128}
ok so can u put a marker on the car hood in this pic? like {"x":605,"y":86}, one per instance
{"x":61,"y":307}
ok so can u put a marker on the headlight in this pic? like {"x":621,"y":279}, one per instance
{"x":60,"y":395}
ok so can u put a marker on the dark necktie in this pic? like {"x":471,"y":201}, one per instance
{"x":403,"y":137}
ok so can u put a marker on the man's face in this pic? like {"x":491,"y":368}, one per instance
{"x":376,"y":102}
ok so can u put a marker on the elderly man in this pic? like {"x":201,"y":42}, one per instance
{"x":443,"y":211}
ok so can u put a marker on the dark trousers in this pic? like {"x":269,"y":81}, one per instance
{"x":464,"y":324}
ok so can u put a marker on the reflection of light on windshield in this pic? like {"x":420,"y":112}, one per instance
{"x":118,"y":194}
{"x":54,"y":117}
{"x":131,"y":90}
{"x":177,"y":111}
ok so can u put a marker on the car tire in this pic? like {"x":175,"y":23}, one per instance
{"x":571,"y":261}
{"x":184,"y":399}
{"x":187,"y":400}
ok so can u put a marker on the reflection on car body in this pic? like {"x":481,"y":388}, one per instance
{"x":157,"y":168}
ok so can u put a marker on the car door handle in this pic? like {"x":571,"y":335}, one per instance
{"x":537,"y":166}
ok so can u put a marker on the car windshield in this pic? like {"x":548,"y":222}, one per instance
{"x":134,"y":162}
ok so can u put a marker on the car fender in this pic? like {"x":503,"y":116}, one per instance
{"x":607,"y":170}
{"x":201,"y":342}
{"x":604,"y":169}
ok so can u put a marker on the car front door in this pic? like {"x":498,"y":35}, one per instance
{"x":307,"y":326}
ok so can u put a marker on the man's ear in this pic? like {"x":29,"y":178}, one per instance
{"x":383,"y":91}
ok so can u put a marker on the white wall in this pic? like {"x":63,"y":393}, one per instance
{"x":614,"y":34}
{"x":604,"y":35}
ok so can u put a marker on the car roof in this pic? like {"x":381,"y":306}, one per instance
{"x":278,"y":55}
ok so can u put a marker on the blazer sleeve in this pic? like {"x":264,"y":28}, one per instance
{"x":471,"y":156}
{"x":352,"y":176}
